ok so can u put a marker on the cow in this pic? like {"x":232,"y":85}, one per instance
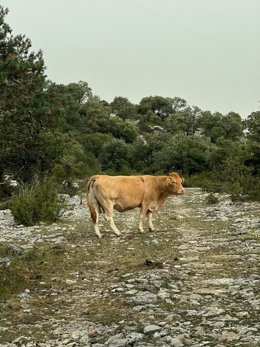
{"x":106,"y":193}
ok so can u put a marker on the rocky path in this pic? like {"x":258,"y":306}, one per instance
{"x":193,"y":282}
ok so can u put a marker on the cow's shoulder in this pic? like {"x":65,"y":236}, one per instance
{"x":154,"y":185}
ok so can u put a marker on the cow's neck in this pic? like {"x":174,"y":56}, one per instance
{"x":163,"y":193}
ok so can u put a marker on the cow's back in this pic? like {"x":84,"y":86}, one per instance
{"x":124,"y":192}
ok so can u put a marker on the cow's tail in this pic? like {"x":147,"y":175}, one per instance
{"x":90,"y":197}
{"x":92,"y":200}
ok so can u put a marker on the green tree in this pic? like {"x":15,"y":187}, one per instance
{"x":159,"y":105}
{"x":66,"y":101}
{"x":252,"y":125}
{"x":94,"y":143}
{"x":143,"y":151}
{"x":211,"y":125}
{"x":123,"y":108}
{"x":114,"y":157}
{"x":95,"y":113}
{"x":186,"y":121}
{"x":125,"y":130}
{"x":216,"y":126}
{"x":232,"y":124}
{"x":190,"y":154}
{"x":23,"y":115}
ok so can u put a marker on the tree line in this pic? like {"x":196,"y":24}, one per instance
{"x":65,"y":132}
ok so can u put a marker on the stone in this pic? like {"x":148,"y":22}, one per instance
{"x":134,"y":337}
{"x":142,"y":298}
{"x":214,"y":311}
{"x":118,"y":343}
{"x":229,"y":336}
{"x":175,"y":341}
{"x":151,"y":329}
{"x":5,"y":262}
{"x":115,"y":337}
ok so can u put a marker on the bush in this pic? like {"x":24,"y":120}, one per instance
{"x":211,"y":199}
{"x":36,"y":202}
{"x":207,"y":181}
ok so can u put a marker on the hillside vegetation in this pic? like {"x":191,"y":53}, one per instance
{"x":59,"y":133}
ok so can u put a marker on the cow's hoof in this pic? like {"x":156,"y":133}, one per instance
{"x":151,"y":229}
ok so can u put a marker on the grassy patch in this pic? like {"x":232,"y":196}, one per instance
{"x":252,"y":235}
{"x":28,"y":269}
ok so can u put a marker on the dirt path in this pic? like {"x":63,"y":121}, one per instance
{"x":193,"y":282}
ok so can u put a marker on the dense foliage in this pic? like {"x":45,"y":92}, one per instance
{"x":65,"y":132}
{"x":36,"y":202}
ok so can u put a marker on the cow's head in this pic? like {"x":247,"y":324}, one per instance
{"x":174,"y":183}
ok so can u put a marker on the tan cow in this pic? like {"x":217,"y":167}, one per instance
{"x":106,"y":193}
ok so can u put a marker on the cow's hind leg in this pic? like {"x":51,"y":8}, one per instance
{"x":150,"y":220}
{"x":109,"y":217}
{"x":94,"y":211}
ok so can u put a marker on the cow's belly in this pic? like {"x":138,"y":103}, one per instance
{"x":123,"y":208}
{"x":122,"y":205}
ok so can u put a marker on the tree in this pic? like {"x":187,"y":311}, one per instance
{"x":160,"y":106}
{"x":217,"y":125}
{"x":123,"y":108}
{"x":94,"y":143}
{"x":189,"y":120}
{"x":178,"y":104}
{"x":252,"y":124}
{"x":95,"y":113}
{"x":124,"y":130}
{"x":232,"y":124}
{"x":22,"y":113}
{"x":35,"y":113}
{"x":211,"y":125}
{"x":144,"y":149}
{"x":114,"y":157}
{"x":190,"y":154}
{"x":66,"y":101}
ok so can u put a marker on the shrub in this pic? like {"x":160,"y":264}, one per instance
{"x":207,"y":181}
{"x":36,"y":202}
{"x":211,"y":199}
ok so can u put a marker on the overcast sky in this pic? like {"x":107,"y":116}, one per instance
{"x":205,"y":51}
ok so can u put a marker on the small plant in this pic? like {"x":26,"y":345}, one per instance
{"x":36,"y":202}
{"x":211,"y":199}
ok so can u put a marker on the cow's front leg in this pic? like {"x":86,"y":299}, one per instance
{"x":150,"y":220}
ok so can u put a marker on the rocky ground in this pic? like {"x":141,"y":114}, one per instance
{"x":193,"y":282}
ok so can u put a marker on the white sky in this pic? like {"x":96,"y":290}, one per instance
{"x":205,"y":51}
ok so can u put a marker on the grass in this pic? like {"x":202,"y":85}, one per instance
{"x":252,"y":235}
{"x":94,"y":266}
{"x":71,"y":281}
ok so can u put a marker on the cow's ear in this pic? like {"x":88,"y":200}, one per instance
{"x":182,"y":180}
